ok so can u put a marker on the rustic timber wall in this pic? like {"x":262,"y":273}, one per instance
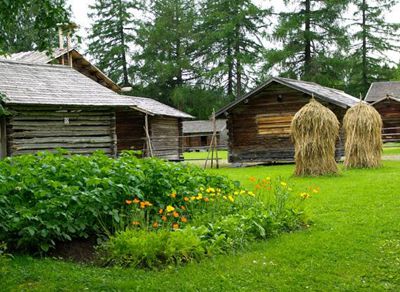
{"x":389,"y":110}
{"x":258,"y":130}
{"x":166,"y":133}
{"x":80,"y":130}
{"x":130,"y":130}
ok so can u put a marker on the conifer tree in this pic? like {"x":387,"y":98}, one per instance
{"x":111,"y":37}
{"x":231,"y":46}
{"x":373,"y":38}
{"x":167,"y":55}
{"x":311,"y":39}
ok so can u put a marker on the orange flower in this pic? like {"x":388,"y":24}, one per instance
{"x":173,"y":195}
{"x":183,"y":207}
{"x":175,"y":214}
{"x":252,"y":179}
{"x":164,"y":218}
{"x":184,"y":219}
{"x":135,"y":223}
{"x":186,"y":199}
{"x":175,"y":226}
{"x":136,"y":201}
{"x":257,"y":187}
{"x":155,"y":225}
{"x":142,"y":205}
{"x":128,"y":202}
{"x":160,"y":211}
{"x":206,"y":199}
{"x":147,"y":203}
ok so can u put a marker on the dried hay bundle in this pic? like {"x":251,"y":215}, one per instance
{"x":314,"y":130}
{"x":363,"y":128}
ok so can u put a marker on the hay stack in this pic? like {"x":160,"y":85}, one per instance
{"x":363,"y":128}
{"x":314,"y":130}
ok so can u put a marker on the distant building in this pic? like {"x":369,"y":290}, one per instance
{"x":198,"y":134}
{"x":385,"y":98}
{"x":259,"y":122}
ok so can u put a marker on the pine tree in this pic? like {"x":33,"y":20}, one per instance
{"x":312,"y":41}
{"x":30,"y":25}
{"x":167,"y":57}
{"x":111,"y":36}
{"x":372,"y":39}
{"x":231,"y":42}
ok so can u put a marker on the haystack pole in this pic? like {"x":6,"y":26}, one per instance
{"x":314,"y":131}
{"x":363,"y":129}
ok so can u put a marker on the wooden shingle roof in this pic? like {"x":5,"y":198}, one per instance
{"x":34,"y":84}
{"x":379,"y":90}
{"x":331,"y":95}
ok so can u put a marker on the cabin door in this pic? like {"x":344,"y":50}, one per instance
{"x":3,"y":143}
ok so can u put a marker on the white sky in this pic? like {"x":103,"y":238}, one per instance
{"x":80,"y":9}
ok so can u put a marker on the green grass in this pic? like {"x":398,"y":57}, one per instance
{"x":391,"y":149}
{"x":203,"y":155}
{"x":353,"y":245}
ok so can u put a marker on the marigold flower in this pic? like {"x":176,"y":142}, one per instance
{"x":155,"y":225}
{"x":175,"y":226}
{"x":136,"y":201}
{"x":128,"y":202}
{"x":252,"y":179}
{"x":199,"y":196}
{"x":183,"y":207}
{"x":173,"y":195}
{"x":184,"y":219}
{"x":164,"y":218}
{"x":142,"y":205}
{"x":170,"y":208}
{"x":206,"y":199}
{"x":186,"y":199}
{"x":160,"y":211}
{"x":231,"y":198}
{"x":305,"y":196}
{"x":257,"y":187}
{"x":175,"y":214}
{"x":135,"y":223}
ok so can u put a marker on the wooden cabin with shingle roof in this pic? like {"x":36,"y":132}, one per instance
{"x":385,"y":98}
{"x":259,"y":122}
{"x":54,"y":106}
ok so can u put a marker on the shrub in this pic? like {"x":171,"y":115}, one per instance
{"x":47,"y":197}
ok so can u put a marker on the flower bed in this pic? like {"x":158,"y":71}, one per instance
{"x":146,"y":212}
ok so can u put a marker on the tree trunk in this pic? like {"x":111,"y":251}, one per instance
{"x":307,"y":40}
{"x":238,"y":63}
{"x":230,"y":69}
{"x":364,"y":79}
{"x":123,"y":52}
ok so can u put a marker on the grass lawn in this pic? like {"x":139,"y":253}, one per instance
{"x":203,"y":155}
{"x":353,"y":245}
{"x":391,"y":149}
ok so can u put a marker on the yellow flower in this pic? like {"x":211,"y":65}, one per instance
{"x":283,"y":184}
{"x":231,"y":198}
{"x":201,"y":189}
{"x":224,"y":197}
{"x":305,"y":196}
{"x":173,"y":195}
{"x":236,"y":193}
{"x":199,"y":196}
{"x":315,"y":191}
{"x":193,"y":198}
{"x":170,"y":208}
{"x":251,"y":194}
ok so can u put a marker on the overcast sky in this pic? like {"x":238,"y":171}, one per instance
{"x":80,"y":9}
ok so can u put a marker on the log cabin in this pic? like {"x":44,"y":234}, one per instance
{"x":55,"y":106}
{"x":259,"y":122}
{"x":197,"y":134}
{"x":385,"y":98}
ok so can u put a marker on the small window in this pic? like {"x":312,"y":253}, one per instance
{"x":203,"y":140}
{"x":274,"y":124}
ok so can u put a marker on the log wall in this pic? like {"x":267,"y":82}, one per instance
{"x":166,"y":133}
{"x":130,"y":130}
{"x":389,"y":110}
{"x":3,"y":139}
{"x":258,"y":128}
{"x":80,"y":130}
